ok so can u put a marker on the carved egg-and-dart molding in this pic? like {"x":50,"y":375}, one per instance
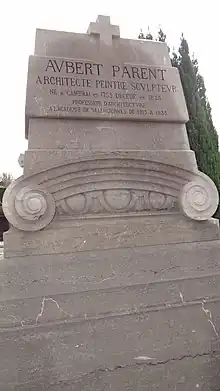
{"x":116,"y":201}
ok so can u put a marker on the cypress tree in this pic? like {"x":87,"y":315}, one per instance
{"x":189,"y":83}
{"x":202,"y":134}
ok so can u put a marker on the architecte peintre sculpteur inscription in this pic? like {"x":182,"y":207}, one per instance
{"x":78,"y":88}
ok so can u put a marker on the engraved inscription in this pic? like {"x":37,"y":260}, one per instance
{"x":78,"y":88}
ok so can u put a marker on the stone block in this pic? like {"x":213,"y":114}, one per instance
{"x":97,"y":136}
{"x":72,"y":352}
{"x":109,"y":233}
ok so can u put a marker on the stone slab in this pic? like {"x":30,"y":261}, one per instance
{"x":61,"y":274}
{"x":189,"y":373}
{"x":117,"y":231}
{"x":63,"y":352}
{"x":88,"y":136}
{"x":65,"y":88}
{"x":119,"y":300}
{"x":39,"y":160}
{"x":162,"y":308}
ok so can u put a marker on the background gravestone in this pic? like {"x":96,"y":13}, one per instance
{"x":111,"y":272}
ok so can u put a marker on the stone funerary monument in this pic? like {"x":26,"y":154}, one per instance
{"x":111,"y":273}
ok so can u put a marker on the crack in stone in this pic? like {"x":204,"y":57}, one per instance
{"x":40,"y":314}
{"x":162,"y":270}
{"x":80,"y":245}
{"x":142,"y":358}
{"x":208,"y":313}
{"x":108,"y":278}
{"x":22,"y":322}
{"x":153,"y":363}
{"x":181,"y":297}
{"x":186,"y":356}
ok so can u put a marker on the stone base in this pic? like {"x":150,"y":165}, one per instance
{"x":131,"y":318}
{"x":117,"y":231}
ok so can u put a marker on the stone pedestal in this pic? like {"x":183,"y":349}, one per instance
{"x":111,"y":270}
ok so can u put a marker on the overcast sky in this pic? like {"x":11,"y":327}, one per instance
{"x":198,"y":20}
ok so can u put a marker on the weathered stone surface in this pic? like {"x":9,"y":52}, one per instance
{"x":72,"y":45}
{"x":92,"y":270}
{"x":110,"y":279}
{"x":39,"y":160}
{"x":85,"y":136}
{"x":105,"y":316}
{"x":104,"y":233}
{"x":182,"y":374}
{"x":107,"y":80}
{"x":77,"y":349}
{"x":118,"y":299}
{"x":108,"y":184}
{"x":114,"y":78}
{"x":83,"y":89}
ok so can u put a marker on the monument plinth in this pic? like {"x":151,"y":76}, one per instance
{"x":111,"y":271}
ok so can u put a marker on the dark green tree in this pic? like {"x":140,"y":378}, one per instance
{"x":2,"y":190}
{"x":202,"y":134}
{"x":5,"y":179}
{"x":148,"y":36}
{"x":141,"y":35}
{"x":174,"y":59}
{"x":161,"y":36}
{"x":189,"y":83}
